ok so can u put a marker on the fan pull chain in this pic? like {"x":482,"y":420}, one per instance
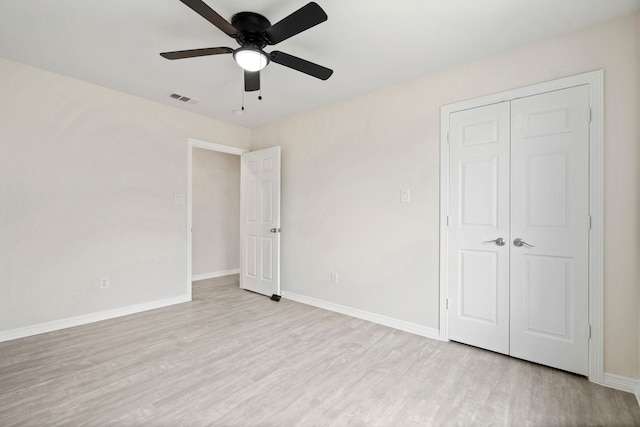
{"x":241,"y":110}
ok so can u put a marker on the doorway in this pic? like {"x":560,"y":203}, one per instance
{"x":195,"y":144}
{"x":487,"y":271}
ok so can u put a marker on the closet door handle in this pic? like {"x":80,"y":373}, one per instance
{"x":499,"y":241}
{"x":518,"y":242}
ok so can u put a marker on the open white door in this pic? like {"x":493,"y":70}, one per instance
{"x":260,"y":221}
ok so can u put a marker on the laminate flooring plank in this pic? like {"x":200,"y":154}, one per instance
{"x":235,"y":358}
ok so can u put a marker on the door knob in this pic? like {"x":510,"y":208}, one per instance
{"x":275,"y":230}
{"x":520,"y":243}
{"x":499,"y":241}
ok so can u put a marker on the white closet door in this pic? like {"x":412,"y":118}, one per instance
{"x":549,"y":211}
{"x":478,"y":216}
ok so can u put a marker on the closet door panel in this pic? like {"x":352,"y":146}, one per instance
{"x":549,"y":216}
{"x":479,"y":214}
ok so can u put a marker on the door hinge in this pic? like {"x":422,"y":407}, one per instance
{"x":448,"y":137}
{"x":589,"y":222}
{"x":446,"y":304}
{"x":447,"y":220}
{"x":589,"y":331}
{"x":589,"y":114}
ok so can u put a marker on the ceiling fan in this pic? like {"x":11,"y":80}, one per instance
{"x":253,"y":32}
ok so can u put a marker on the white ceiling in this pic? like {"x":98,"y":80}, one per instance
{"x":369,"y":44}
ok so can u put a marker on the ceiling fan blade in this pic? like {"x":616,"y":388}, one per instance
{"x":251,"y":81}
{"x":192,"y":53}
{"x":301,"y":65}
{"x":212,"y":16}
{"x":302,"y":19}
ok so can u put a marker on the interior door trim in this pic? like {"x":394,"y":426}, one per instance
{"x":595,"y":82}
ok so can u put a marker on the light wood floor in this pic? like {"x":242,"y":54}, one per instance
{"x":233,"y":358}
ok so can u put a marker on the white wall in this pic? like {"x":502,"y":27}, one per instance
{"x":638,"y":219}
{"x":344,"y":167}
{"x":216,"y":212}
{"x":87,"y":183}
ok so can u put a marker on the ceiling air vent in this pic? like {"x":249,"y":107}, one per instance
{"x":182,"y":98}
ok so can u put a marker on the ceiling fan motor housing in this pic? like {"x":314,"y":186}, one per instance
{"x":251,"y":27}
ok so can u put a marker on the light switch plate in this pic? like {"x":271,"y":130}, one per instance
{"x":334,"y":278}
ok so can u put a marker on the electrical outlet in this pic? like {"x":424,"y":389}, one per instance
{"x":104,"y":283}
{"x":334,"y":278}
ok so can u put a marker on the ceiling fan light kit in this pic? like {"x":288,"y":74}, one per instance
{"x":251,"y":58}
{"x":253,"y":32}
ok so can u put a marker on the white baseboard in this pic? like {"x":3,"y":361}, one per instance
{"x":622,"y":383}
{"x":213,"y":275}
{"x":402,"y":325}
{"x":88,"y":318}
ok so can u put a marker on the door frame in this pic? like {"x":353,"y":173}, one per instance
{"x":212,"y":146}
{"x":595,"y":82}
